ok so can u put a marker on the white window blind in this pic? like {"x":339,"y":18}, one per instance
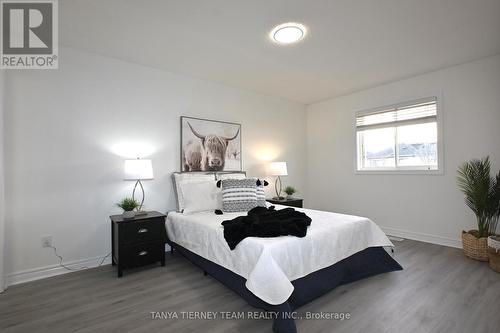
{"x":420,"y":111}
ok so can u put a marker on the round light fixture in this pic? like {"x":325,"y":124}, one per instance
{"x":288,"y":33}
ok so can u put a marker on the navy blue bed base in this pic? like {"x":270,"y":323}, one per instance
{"x":366,"y":263}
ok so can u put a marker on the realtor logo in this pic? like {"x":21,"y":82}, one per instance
{"x":29,"y":34}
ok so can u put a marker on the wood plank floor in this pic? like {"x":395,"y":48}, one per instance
{"x":439,"y":290}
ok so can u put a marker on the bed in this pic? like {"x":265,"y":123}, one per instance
{"x":281,"y":274}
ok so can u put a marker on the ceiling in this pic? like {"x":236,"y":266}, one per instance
{"x":350,"y":46}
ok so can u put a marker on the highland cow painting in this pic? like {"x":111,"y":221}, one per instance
{"x":210,"y":145}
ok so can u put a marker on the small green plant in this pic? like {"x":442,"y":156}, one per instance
{"x":290,"y":190}
{"x":128,"y":204}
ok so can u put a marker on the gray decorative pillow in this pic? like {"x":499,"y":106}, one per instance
{"x":238,"y":195}
{"x":261,"y":195}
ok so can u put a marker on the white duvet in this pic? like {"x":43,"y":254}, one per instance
{"x":269,"y":264}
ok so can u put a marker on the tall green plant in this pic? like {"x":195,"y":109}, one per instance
{"x":482,"y":193}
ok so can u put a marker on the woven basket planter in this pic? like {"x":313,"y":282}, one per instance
{"x":475,"y":248}
{"x":494,"y":252}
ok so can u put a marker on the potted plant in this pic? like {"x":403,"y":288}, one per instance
{"x":494,"y":252}
{"x":494,"y":240}
{"x":481,"y":196}
{"x":290,"y":190}
{"x":128,"y":205}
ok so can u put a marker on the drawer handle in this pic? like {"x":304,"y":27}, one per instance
{"x":142,"y":230}
{"x":143,"y":253}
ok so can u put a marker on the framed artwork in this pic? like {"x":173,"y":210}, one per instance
{"x":210,"y":145}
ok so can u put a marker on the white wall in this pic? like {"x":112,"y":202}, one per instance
{"x":424,"y":207}
{"x":65,"y":133}
{"x":66,"y":129}
{"x":2,"y":210}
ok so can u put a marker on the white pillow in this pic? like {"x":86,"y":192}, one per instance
{"x":233,"y":175}
{"x":201,"y":196}
{"x":183,"y":178}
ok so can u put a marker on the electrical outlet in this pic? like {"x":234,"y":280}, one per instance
{"x":47,"y":241}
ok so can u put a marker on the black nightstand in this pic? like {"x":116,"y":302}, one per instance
{"x":287,"y":202}
{"x":138,"y":241}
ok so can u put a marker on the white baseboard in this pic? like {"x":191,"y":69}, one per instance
{"x":52,"y":270}
{"x":427,"y":238}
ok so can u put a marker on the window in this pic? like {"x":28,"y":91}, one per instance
{"x":399,"y":137}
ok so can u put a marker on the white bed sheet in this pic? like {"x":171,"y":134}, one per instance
{"x":270,"y":264}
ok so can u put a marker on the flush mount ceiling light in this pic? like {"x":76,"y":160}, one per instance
{"x":288,"y":33}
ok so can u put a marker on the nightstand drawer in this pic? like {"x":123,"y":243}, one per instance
{"x":143,"y":231}
{"x":143,"y":254}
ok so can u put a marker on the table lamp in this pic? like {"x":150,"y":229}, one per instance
{"x":138,"y":170}
{"x":278,"y":169}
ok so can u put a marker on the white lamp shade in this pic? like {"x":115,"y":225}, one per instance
{"x":278,"y":169}
{"x":138,"y":169}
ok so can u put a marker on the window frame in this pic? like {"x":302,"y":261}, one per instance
{"x":402,"y":170}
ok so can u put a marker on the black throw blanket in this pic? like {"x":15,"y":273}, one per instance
{"x":264,"y":222}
